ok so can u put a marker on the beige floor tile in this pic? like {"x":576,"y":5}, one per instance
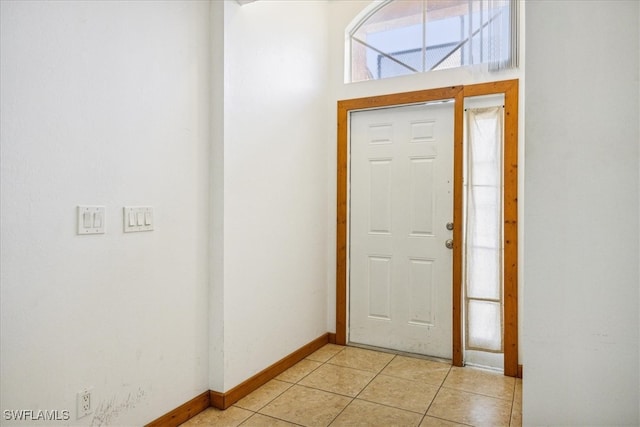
{"x":359,"y":358}
{"x":516,"y":410}
{"x":325,"y":353}
{"x":362,"y":413}
{"x":516,"y":416}
{"x":437,"y":422}
{"x":232,"y":417}
{"x":298,"y":371}
{"x":470,"y":408}
{"x":480,"y":382}
{"x":411,"y":368}
{"x":517,"y":396}
{"x":259,"y":420}
{"x":396,"y":396}
{"x":263,"y":395}
{"x":400,"y":393}
{"x":338,"y":379}
{"x":306,"y":406}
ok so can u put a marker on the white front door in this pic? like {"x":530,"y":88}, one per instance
{"x":401,"y":199}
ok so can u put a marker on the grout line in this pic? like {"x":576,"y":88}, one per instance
{"x":515,"y":386}
{"x":401,"y":353}
{"x":449,"y":421}
{"x":478,"y":394}
{"x":291,"y":384}
{"x":438,"y":392}
{"x":341,"y":411}
{"x":309,"y":373}
{"x":271,"y":400}
{"x":390,"y":406}
{"x":423,"y":417}
{"x":357,"y":369}
{"x":374,"y":377}
{"x":325,"y":391}
{"x":248,"y":418}
{"x":271,"y":416}
{"x":352,"y":398}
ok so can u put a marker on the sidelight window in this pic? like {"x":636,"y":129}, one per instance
{"x":483,"y":236}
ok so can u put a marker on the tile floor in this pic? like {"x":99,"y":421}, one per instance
{"x":349,"y":386}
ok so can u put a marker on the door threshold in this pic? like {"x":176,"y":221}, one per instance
{"x":400,"y":353}
{"x":484,"y":368}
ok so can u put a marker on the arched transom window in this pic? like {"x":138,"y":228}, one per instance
{"x":398,"y":37}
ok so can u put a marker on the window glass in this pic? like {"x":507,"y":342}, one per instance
{"x":402,"y":37}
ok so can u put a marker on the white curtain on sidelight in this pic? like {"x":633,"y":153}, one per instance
{"x":483,"y":229}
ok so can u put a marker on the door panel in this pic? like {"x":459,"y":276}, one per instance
{"x":400,"y":201}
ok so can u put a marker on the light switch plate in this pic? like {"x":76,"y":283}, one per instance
{"x":137,"y":218}
{"x":91,"y":220}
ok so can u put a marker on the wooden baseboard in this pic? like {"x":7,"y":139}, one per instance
{"x":183,"y":412}
{"x":332,"y":338}
{"x":224,"y":400}
{"x":519,"y":371}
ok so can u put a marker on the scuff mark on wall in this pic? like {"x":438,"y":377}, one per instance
{"x":109,"y":410}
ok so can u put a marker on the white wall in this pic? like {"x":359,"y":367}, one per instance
{"x":274,"y":186}
{"x":103,"y":103}
{"x":581,"y":265}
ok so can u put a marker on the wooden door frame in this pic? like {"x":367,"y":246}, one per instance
{"x":509,"y":88}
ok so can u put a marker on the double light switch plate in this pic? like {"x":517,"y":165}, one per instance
{"x":91,"y":220}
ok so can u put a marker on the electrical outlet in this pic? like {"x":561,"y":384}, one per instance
{"x":84,"y":403}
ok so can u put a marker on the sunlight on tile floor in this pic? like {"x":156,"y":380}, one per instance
{"x":349,"y":386}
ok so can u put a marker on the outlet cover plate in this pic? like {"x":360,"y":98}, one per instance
{"x":84,"y":401}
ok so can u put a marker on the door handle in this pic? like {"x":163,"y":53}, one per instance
{"x":449,"y":226}
{"x":449,"y":243}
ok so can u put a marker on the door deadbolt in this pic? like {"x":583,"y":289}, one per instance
{"x":449,"y":226}
{"x":449,"y":243}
